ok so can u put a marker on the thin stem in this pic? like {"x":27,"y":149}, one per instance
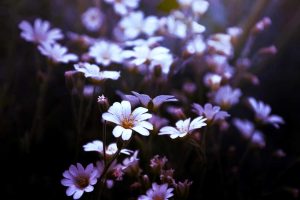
{"x":104,"y":143}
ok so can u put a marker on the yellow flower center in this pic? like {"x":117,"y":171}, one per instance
{"x":157,"y":197}
{"x":128,"y":123}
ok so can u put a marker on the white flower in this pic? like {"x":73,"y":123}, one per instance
{"x":183,"y":127}
{"x":199,"y":7}
{"x":79,"y":180}
{"x":220,"y":43}
{"x":196,"y":45}
{"x":212,"y":113}
{"x":127,"y":121}
{"x":111,"y":149}
{"x":92,"y":19}
{"x":212,"y":81}
{"x":40,"y":32}
{"x":134,"y":24}
{"x":226,"y":96}
{"x":122,"y":7}
{"x":157,"y":56}
{"x":147,"y":42}
{"x":57,"y":53}
{"x":93,"y":71}
{"x":131,"y":161}
{"x":263,"y":111}
{"x":158,"y":192}
{"x":104,"y":53}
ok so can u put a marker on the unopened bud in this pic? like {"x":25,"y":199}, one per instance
{"x":103,"y":102}
{"x":271,"y":50}
{"x":261,"y":25}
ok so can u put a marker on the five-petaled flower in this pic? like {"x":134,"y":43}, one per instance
{"x":79,"y":180}
{"x":127,"y":120}
{"x":183,"y":127}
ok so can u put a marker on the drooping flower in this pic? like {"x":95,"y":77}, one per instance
{"x":248,"y":131}
{"x":92,"y":19}
{"x":183,"y":127}
{"x":263,"y":113}
{"x":111,"y":149}
{"x":57,"y":53}
{"x":136,"y":23}
{"x":79,"y":180}
{"x":105,"y":53}
{"x":40,"y":32}
{"x":127,"y":120}
{"x":226,"y":96}
{"x":93,"y":71}
{"x":158,"y":192}
{"x":212,"y":113}
{"x":122,"y":7}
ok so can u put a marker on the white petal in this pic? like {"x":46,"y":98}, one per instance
{"x":78,"y":194}
{"x":111,"y":118}
{"x":117,"y":131}
{"x":141,"y":130}
{"x":126,"y":134}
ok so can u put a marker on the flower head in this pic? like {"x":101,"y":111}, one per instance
{"x":212,"y":113}
{"x":122,"y":7}
{"x":111,"y":149}
{"x":92,"y":19}
{"x":79,"y":180}
{"x":158,"y":192}
{"x":226,"y":96}
{"x":40,"y":32}
{"x":127,"y":120}
{"x":93,"y":71}
{"x":183,"y":127}
{"x":263,"y":113}
{"x":57,"y":53}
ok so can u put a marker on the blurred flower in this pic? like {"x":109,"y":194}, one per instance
{"x":248,"y":131}
{"x":183,"y":127}
{"x":144,"y":42}
{"x":131,"y":165}
{"x":40,"y":32}
{"x":57,"y":53}
{"x":196,"y":45}
{"x":161,"y":192}
{"x":199,"y":7}
{"x":135,"y":23}
{"x":157,"y":56}
{"x":123,"y":7}
{"x":262,"y":113}
{"x":92,"y":19}
{"x":147,"y":101}
{"x":213,"y":81}
{"x":157,"y":163}
{"x":79,"y":180}
{"x":212,"y":113}
{"x":183,"y":189}
{"x":220,"y":43}
{"x":105,"y":52}
{"x":226,"y":96}
{"x":158,"y":122}
{"x":127,"y":121}
{"x":111,"y":149}
{"x":93,"y":71}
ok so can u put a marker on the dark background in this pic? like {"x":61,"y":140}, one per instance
{"x":36,"y":172}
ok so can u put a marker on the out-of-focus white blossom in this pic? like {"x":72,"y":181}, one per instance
{"x":105,"y":53}
{"x":183,"y":127}
{"x":199,"y":7}
{"x":144,"y":42}
{"x":212,"y":113}
{"x":57,"y":53}
{"x":92,"y":19}
{"x":196,"y":45}
{"x":212,"y":81}
{"x":158,"y":192}
{"x":40,"y":32}
{"x":122,"y":7}
{"x":220,"y":43}
{"x":111,"y":149}
{"x":226,"y":96}
{"x":136,"y":23}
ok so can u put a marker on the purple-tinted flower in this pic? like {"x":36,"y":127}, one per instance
{"x":212,"y":113}
{"x":79,"y":180}
{"x":226,"y":96}
{"x":263,"y":111}
{"x":158,"y":192}
{"x":40,"y":32}
{"x":248,"y":131}
{"x":57,"y":53}
{"x":92,"y":19}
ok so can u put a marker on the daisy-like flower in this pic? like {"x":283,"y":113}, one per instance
{"x":196,"y":45}
{"x":93,"y":71}
{"x":105,"y":53}
{"x":127,"y":120}
{"x":136,"y":23}
{"x":110,"y":150}
{"x":122,"y":7}
{"x":226,"y":96}
{"x":212,"y":113}
{"x":263,"y":113}
{"x":248,"y":131}
{"x":79,"y":180}
{"x":158,"y":192}
{"x":92,"y":19}
{"x":57,"y":53}
{"x":183,"y":127}
{"x":40,"y":32}
{"x":157,"y":56}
